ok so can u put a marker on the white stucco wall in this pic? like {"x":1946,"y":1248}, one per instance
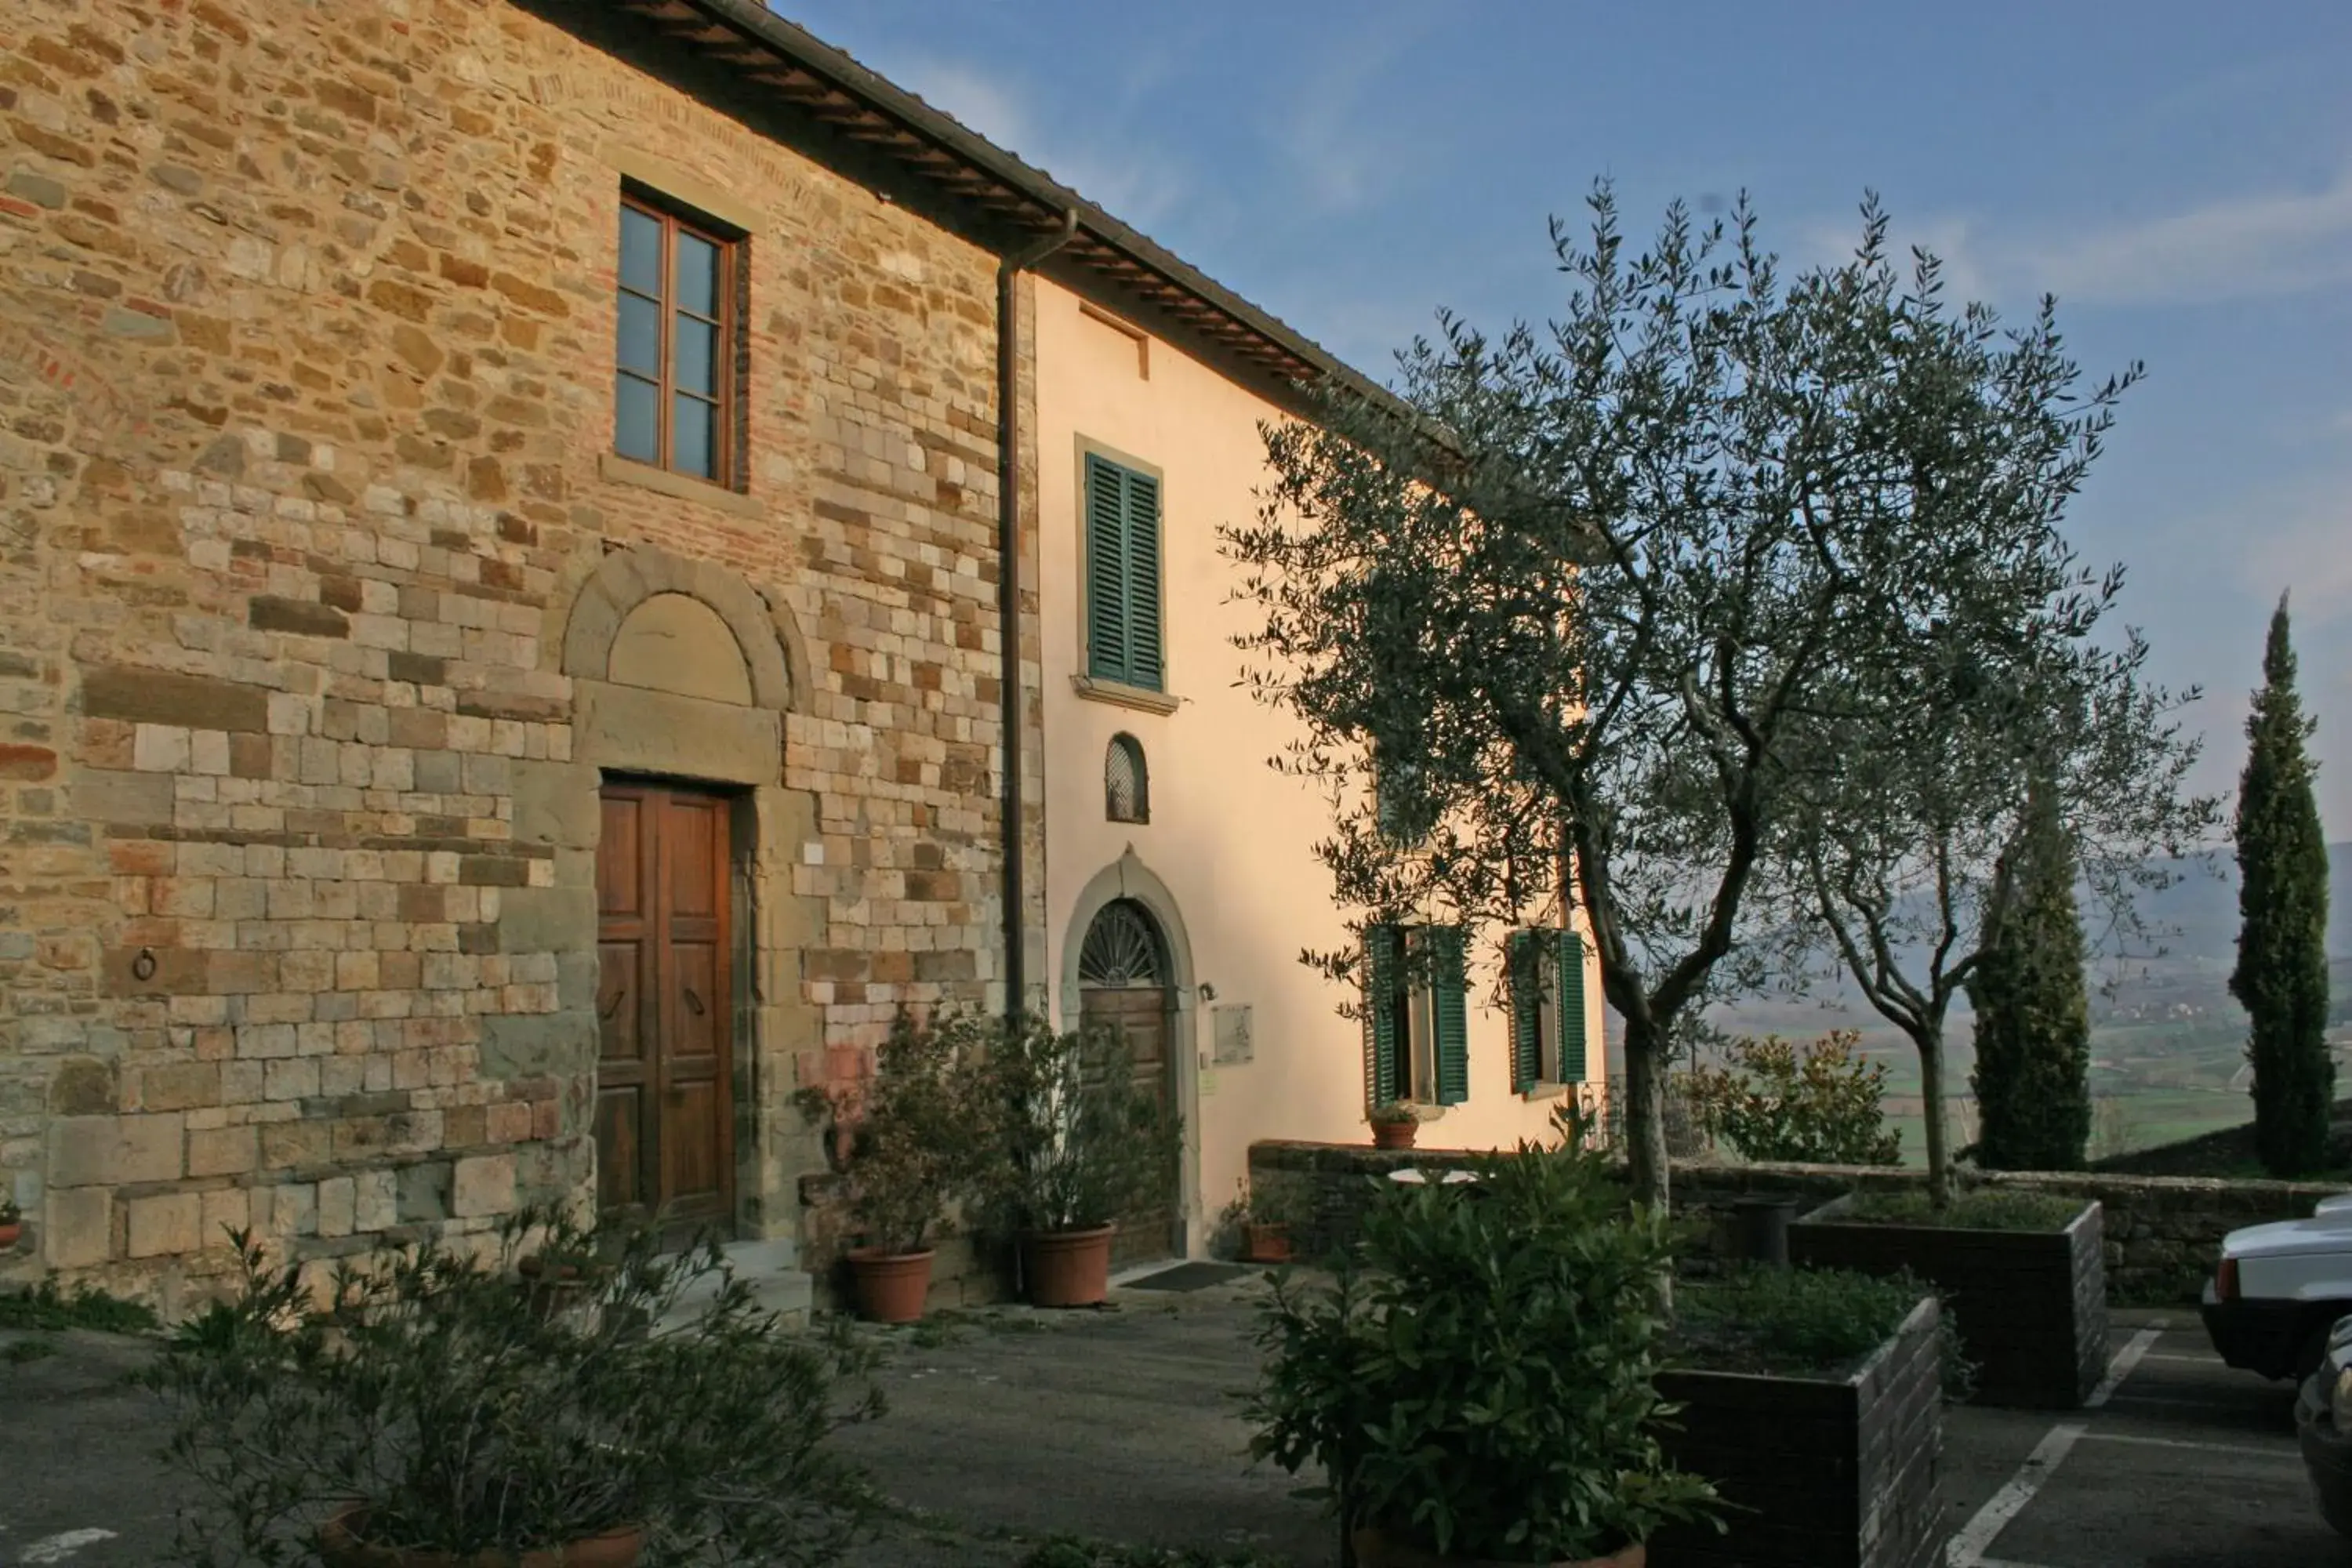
{"x":1228,"y":842}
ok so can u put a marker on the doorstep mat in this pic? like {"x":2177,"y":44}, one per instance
{"x":1193,"y":1276}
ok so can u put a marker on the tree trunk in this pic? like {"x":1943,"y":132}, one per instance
{"x":1645,"y":1112}
{"x":1930,"y":1041}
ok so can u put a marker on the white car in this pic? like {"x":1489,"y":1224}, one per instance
{"x":2323,"y":1418}
{"x":2279,"y":1289}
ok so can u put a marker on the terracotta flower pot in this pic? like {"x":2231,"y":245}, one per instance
{"x":1394,"y":1134}
{"x":342,"y":1544}
{"x":1269,"y":1243}
{"x":11,"y":1233}
{"x":1378,"y":1549}
{"x":891,"y":1286}
{"x":1067,"y":1268}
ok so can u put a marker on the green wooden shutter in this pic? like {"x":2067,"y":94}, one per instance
{"x":1450,"y":1011}
{"x":1107,"y":617}
{"x":1381,"y":1020}
{"x":1145,"y":665}
{"x":1526,"y":961}
{"x":1570,"y":947}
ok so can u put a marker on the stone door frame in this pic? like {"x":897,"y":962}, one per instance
{"x":631,"y":728}
{"x":1129,"y":877}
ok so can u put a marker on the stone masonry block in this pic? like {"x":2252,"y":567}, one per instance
{"x":484,"y":1186}
{"x":113,"y":1150}
{"x":78,"y":1228}
{"x":166,"y":1225}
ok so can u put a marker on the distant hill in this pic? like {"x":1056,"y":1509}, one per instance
{"x":2193,"y":944}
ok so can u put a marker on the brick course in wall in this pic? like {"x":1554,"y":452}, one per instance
{"x":306,"y":348}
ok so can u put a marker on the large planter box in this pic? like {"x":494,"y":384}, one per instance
{"x":1820,"y":1472}
{"x":2031,"y":1307}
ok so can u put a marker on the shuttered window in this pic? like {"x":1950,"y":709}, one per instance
{"x":1547,"y":970}
{"x":1416,"y":1025}
{"x":1123,"y":604}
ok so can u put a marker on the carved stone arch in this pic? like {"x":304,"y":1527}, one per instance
{"x":625,"y":581}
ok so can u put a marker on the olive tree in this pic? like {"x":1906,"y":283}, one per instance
{"x":1597,"y":603}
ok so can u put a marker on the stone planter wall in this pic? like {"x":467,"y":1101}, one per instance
{"x":1821,"y":1473}
{"x":2160,"y":1233}
{"x":2031,"y":1307}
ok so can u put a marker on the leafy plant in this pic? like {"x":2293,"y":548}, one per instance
{"x":9,"y":1213}
{"x":435,"y":1392}
{"x":46,"y":1307}
{"x":1479,"y":1381}
{"x":1805,"y":1321}
{"x":1392,"y":1113}
{"x":922,"y":1135}
{"x":1827,"y":1107}
{"x":1974,"y":1208}
{"x":1083,"y":1142}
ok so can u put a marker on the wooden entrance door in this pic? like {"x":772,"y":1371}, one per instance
{"x":664,"y":1004}
{"x":1125,"y":984}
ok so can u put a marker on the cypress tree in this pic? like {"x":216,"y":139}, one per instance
{"x":2282,"y":974}
{"x":2033,"y":1078}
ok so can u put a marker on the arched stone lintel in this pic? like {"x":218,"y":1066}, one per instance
{"x":627,"y":578}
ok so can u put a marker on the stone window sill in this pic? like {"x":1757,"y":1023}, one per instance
{"x":1121,"y":695}
{"x":620,"y":470}
{"x":1543,"y":1088}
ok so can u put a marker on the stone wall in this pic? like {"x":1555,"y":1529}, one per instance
{"x":2162,"y":1233}
{"x":306,"y":348}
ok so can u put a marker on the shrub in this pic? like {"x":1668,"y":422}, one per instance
{"x":443,"y":1397}
{"x":1977,"y":1208}
{"x":1083,"y":1143}
{"x":1480,"y":1381}
{"x":1826,"y":1108}
{"x":921,"y":1132}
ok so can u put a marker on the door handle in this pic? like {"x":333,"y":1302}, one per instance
{"x":693,"y":1002}
{"x":612,"y":1006}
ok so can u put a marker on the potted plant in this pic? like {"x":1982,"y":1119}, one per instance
{"x":1083,"y":1144}
{"x":918,"y":1139}
{"x":1395,"y":1124}
{"x":1260,"y":1217}
{"x":1477,"y":1384}
{"x":12,"y":1224}
{"x":421,"y":1412}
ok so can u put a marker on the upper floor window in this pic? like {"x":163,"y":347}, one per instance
{"x":1126,"y":784}
{"x":674,"y":383}
{"x":1123,"y":601}
{"x":1416,"y":1016}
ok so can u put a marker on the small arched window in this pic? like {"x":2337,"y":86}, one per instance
{"x":1126,"y":787}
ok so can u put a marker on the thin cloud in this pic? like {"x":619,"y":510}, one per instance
{"x":1137,"y":185}
{"x":1344,"y":147}
{"x":2258,"y":245}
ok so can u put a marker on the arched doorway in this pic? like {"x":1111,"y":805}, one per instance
{"x":1127,"y":982}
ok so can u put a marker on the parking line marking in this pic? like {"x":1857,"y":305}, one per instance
{"x":1968,"y":1548}
{"x":2189,"y":1359}
{"x":2280,"y":1452}
{"x":2121,"y":1367}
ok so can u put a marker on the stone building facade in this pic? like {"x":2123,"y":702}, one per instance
{"x":348,"y":626}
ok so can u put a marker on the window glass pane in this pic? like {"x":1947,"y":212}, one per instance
{"x":637,"y":418}
{"x":693,"y":438}
{"x":698,"y":275}
{"x":693,"y":362}
{"x":640,"y":336}
{"x":641,"y":250}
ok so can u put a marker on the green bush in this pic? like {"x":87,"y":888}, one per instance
{"x":46,"y":1307}
{"x":1801,"y":1321}
{"x":922,"y":1135}
{"x":464,"y":1411}
{"x":1977,"y":1208}
{"x":1827,"y":1108}
{"x":1479,"y":1380}
{"x":1083,"y":1143}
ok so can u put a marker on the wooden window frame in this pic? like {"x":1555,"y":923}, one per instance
{"x":1091,"y":657}
{"x":727,"y":466}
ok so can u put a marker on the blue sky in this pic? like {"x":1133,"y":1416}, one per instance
{"x":2180,"y":175}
